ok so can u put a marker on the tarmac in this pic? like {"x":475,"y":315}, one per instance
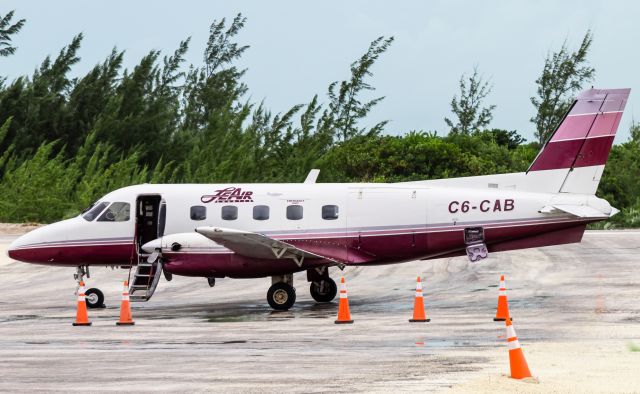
{"x":575,"y":309}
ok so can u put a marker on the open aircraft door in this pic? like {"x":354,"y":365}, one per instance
{"x":399,"y":213}
{"x":150,"y":219}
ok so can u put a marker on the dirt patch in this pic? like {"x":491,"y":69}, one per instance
{"x":17,"y":228}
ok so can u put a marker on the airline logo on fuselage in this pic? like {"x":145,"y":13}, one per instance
{"x":230,"y":194}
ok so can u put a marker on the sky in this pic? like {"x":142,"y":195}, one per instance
{"x":299,"y":47}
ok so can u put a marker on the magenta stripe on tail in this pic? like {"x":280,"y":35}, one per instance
{"x":585,"y":136}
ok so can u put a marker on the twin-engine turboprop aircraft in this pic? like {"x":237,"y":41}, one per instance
{"x":257,"y":230}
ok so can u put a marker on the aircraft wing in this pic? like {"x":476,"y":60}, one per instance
{"x":256,"y":245}
{"x":581,"y":211}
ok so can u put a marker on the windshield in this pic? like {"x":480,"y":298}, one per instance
{"x":117,"y":212}
{"x":93,"y":211}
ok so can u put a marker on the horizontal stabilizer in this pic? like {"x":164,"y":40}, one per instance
{"x":256,"y":245}
{"x":581,"y":211}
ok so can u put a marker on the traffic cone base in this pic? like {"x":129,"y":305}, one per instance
{"x":126,"y":323}
{"x":518,"y":365}
{"x":419,"y":320}
{"x":344,"y":316}
{"x":81,"y":324}
{"x":501,"y":319}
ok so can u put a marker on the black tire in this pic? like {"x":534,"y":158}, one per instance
{"x":281,"y":296}
{"x":324,"y":290}
{"x":94,"y":298}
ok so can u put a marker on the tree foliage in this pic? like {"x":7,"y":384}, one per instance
{"x":66,"y":141}
{"x":471,"y":116}
{"x":345,"y":107}
{"x":563,"y":75}
{"x":6,"y":31}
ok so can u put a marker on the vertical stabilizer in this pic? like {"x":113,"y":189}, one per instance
{"x":579,"y":148}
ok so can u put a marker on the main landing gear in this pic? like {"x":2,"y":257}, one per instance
{"x":324,"y":290}
{"x":282,"y":295}
{"x":94,"y":297}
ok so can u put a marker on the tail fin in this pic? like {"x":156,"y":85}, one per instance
{"x":579,"y":148}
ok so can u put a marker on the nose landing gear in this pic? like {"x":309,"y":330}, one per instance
{"x":94,"y":297}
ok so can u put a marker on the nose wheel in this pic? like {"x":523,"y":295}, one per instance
{"x":93,"y":297}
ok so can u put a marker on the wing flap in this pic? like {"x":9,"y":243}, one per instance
{"x":256,"y":245}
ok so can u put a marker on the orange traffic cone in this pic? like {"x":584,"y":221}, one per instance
{"x":82,"y":319}
{"x":344,"y":317}
{"x":501,"y":312}
{"x":418,"y":305}
{"x":517,"y":363}
{"x":125,"y":308}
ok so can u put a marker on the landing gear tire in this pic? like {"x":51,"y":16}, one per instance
{"x":281,"y":296}
{"x":94,"y":298}
{"x":324,"y":290}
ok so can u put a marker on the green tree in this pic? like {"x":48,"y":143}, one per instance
{"x":564,"y":73}
{"x":345,"y":107}
{"x":6,"y":31}
{"x":468,"y":110}
{"x":39,"y":105}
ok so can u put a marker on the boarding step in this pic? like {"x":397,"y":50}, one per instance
{"x":146,"y":278}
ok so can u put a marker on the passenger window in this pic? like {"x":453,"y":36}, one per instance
{"x":261,"y":212}
{"x":294,"y":212}
{"x":198,"y":212}
{"x":229,"y":212}
{"x":117,"y":212}
{"x":93,"y":211}
{"x":329,"y":212}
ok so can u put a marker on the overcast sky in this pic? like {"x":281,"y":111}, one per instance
{"x":298,"y":47}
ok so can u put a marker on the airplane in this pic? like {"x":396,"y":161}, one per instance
{"x":261,"y":230}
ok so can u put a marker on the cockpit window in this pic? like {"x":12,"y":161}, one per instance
{"x":94,"y":210}
{"x":117,"y":212}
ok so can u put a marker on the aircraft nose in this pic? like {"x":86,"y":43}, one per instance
{"x":13,"y":251}
{"x":29,"y":248}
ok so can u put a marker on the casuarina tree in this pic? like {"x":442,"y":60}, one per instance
{"x":563,"y":75}
{"x":6,"y":31}
{"x":467,"y":108}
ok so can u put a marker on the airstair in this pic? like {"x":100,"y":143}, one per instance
{"x":146,"y":278}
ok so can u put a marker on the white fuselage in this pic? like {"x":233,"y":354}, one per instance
{"x":369,"y":223}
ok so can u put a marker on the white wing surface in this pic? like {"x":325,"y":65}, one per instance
{"x":256,"y":245}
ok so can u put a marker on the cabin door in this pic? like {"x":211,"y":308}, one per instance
{"x":150,"y":219}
